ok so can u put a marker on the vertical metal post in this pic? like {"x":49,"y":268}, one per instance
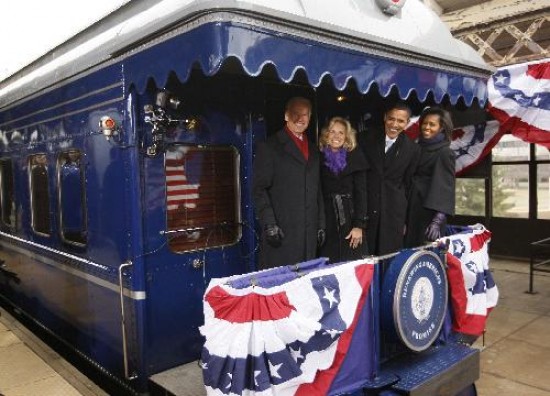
{"x":531,"y":264}
{"x":123,"y":319}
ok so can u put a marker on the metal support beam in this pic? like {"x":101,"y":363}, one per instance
{"x":494,"y":11}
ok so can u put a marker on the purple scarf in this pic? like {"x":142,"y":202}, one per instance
{"x":335,"y":160}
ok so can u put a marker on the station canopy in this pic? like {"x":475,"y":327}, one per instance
{"x":343,"y":40}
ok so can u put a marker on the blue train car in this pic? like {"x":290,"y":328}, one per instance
{"x":126,"y":154}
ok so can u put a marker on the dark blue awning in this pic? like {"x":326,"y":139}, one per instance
{"x":211,"y":44}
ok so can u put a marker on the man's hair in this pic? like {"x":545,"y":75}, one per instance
{"x":400,"y":106}
{"x":296,"y":100}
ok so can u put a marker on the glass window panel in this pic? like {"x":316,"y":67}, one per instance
{"x":470,"y":197}
{"x":511,"y":191}
{"x":40,"y":196}
{"x":72,"y":198}
{"x":202,"y":189}
{"x":7,"y":197}
{"x":543,"y":191}
{"x":541,"y":152}
{"x":510,"y":148}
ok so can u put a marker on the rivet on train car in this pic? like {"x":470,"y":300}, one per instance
{"x":197,"y":263}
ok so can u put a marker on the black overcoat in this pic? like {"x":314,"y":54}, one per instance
{"x":433,"y":190}
{"x":344,"y":193}
{"x":287,"y":192}
{"x":388,"y":183}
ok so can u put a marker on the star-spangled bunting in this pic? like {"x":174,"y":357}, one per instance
{"x":472,"y":288}
{"x":519,"y":102}
{"x":287,"y":336}
{"x":470,"y":143}
{"x":519,"y":98}
{"x":307,"y":329}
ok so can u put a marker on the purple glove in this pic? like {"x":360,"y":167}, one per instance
{"x":433,"y":231}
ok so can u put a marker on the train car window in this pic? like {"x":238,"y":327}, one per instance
{"x":7,"y":196}
{"x":202,"y":189}
{"x":40,"y":194}
{"x":72,"y":198}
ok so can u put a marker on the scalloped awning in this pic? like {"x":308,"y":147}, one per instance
{"x":211,"y":44}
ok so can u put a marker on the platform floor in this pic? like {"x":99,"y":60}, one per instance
{"x":28,"y":367}
{"x":515,"y":357}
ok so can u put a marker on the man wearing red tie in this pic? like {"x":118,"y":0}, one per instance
{"x":286,"y":191}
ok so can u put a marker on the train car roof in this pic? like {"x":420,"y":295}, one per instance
{"x":415,"y":35}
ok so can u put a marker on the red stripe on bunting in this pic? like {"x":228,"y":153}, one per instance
{"x":459,"y":300}
{"x":519,"y":128}
{"x":539,"y":71}
{"x":323,"y":380}
{"x":484,"y":153}
{"x":478,"y":240}
{"x":413,"y":131}
{"x":248,"y":308}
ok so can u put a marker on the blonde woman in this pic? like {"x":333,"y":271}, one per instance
{"x":343,"y":179}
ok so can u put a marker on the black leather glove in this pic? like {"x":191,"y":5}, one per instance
{"x":274,"y":235}
{"x":433,"y":231}
{"x":321,"y":237}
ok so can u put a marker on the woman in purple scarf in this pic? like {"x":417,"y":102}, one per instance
{"x":344,"y":185}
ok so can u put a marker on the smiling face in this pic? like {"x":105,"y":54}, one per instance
{"x":336,"y":136}
{"x":297,"y":117}
{"x":431,"y":126}
{"x":395,"y":121}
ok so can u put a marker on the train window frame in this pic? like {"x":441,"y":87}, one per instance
{"x":468,"y":184}
{"x":3,"y":193}
{"x":32,"y":183}
{"x":534,"y":160}
{"x":192,"y":232}
{"x":63,"y":158}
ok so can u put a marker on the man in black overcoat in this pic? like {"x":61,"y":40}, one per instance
{"x":286,"y":191}
{"x":392,"y":159}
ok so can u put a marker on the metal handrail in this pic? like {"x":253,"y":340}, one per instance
{"x":123,"y":320}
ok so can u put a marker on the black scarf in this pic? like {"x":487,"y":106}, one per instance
{"x":440,"y":137}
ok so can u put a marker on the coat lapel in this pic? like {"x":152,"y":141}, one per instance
{"x":392,"y":154}
{"x":290,"y":147}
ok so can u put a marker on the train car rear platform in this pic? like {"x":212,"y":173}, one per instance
{"x":514,"y":351}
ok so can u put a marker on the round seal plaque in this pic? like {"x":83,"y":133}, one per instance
{"x":414,"y":298}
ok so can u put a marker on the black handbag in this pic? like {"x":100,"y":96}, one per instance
{"x":343,"y":209}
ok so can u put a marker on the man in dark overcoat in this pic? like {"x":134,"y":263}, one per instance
{"x":392,"y":159}
{"x":286,"y":191}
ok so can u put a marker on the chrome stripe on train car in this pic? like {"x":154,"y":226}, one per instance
{"x":133,"y":294}
{"x":59,"y":116}
{"x":45,"y":109}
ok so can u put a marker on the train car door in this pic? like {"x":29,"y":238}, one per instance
{"x":198,"y":221}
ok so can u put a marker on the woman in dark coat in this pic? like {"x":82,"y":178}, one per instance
{"x":433,"y":187}
{"x":343,"y":180}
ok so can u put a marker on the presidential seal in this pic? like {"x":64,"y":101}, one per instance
{"x":415,"y":292}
